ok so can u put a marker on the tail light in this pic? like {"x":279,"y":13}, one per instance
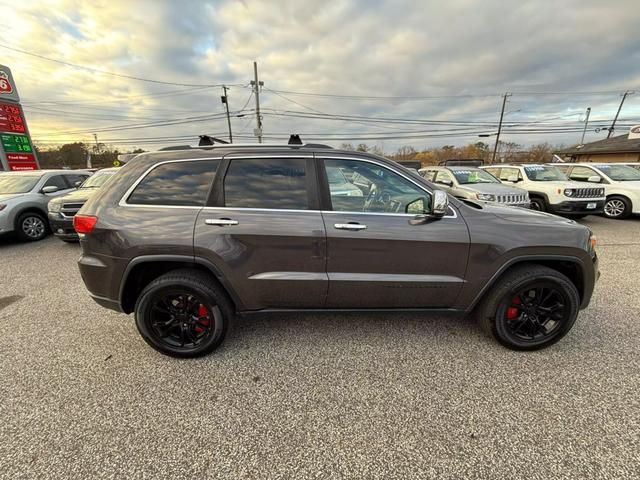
{"x":84,"y":223}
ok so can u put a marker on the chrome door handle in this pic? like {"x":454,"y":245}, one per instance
{"x":350,"y":226}
{"x":222,"y":222}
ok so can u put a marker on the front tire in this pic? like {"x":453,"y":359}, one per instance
{"x":537,"y":203}
{"x":183,"y":314}
{"x":31,"y":227}
{"x":530,"y":308}
{"x":617,"y":207}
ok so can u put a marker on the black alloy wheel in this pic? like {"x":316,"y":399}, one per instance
{"x":530,"y":307}
{"x":183,"y":314}
{"x":534,"y":314}
{"x":181,"y":319}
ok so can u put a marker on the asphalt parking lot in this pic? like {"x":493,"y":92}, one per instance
{"x":314,"y":396}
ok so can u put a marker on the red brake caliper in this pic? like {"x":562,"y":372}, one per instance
{"x":203,"y":319}
{"x":512,"y":312}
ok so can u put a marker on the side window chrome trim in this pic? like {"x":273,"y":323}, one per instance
{"x":250,"y":209}
{"x":123,"y":201}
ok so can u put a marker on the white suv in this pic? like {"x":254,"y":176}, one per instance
{"x":550,"y":190}
{"x":621,"y":184}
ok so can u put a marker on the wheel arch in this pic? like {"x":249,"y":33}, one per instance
{"x":571,"y":267}
{"x":143,"y":270}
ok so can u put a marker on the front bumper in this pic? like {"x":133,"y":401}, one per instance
{"x":578,"y":207}
{"x":62,"y":227}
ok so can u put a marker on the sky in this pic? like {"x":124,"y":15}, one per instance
{"x":387,"y":73}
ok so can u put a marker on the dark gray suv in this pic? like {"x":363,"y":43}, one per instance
{"x":187,"y":239}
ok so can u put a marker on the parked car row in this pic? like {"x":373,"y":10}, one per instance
{"x":24,"y":197}
{"x":571,"y":190}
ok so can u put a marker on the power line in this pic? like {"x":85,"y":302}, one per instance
{"x":104,"y":72}
{"x":438,"y":97}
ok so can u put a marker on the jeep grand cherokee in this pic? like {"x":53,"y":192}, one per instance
{"x":187,"y":239}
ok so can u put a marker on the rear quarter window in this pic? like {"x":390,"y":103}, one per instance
{"x":176,"y":184}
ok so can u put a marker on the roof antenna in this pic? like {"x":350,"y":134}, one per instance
{"x":206,"y":140}
{"x":294,"y":139}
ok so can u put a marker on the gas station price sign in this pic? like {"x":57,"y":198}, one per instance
{"x":11,"y":118}
{"x":16,"y":150}
{"x":16,"y":143}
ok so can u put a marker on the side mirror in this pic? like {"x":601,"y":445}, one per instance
{"x":49,"y":189}
{"x":594,"y":179}
{"x":448,"y":183}
{"x":440,"y":203}
{"x":78,"y":183}
{"x":513,"y":179}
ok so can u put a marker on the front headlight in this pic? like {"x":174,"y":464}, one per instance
{"x":487,"y":197}
{"x":55,"y":207}
{"x":568,"y":192}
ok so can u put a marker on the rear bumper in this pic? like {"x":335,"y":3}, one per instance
{"x":99,"y":273}
{"x":578,"y":207}
{"x":62,"y":227}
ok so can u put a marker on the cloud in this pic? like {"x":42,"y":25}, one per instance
{"x":380,"y":48}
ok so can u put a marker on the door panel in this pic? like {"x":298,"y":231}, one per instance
{"x":272,"y":258}
{"x":376,"y":258}
{"x":265,"y":233}
{"x":392,"y":264}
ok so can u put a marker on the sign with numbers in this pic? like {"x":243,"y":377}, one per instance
{"x":16,"y":149}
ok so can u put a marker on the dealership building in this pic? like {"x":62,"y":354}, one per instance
{"x":622,"y":148}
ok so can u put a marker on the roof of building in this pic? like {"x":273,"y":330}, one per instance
{"x":618,"y":144}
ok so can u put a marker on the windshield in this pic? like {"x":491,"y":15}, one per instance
{"x":544,"y":173}
{"x":335,"y":175}
{"x":619,"y":173}
{"x":472,"y":175}
{"x":97,"y":180}
{"x":17,"y":183}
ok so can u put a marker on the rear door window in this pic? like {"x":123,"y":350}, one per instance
{"x":272,"y":183}
{"x":176,"y":184}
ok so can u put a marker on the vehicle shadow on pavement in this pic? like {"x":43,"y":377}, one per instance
{"x":347,"y":327}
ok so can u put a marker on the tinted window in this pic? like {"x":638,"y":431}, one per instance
{"x":278,"y":183}
{"x":373,"y":188}
{"x":179,"y":183}
{"x":56,"y":181}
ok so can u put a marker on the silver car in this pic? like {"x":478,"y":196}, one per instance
{"x":24,"y":197}
{"x":475,"y":184}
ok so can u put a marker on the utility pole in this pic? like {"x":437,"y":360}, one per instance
{"x":495,"y":148}
{"x":613,"y":125}
{"x":586,"y":123}
{"x":225,"y":100}
{"x":256,"y":90}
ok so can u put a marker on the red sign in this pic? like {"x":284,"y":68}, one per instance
{"x":22,"y":161}
{"x":11,"y":118}
{"x":5,"y":83}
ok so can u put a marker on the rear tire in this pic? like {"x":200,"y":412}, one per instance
{"x":510,"y":314}
{"x":617,"y":207}
{"x":538,"y":204}
{"x":183,"y":314}
{"x":31,"y":227}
